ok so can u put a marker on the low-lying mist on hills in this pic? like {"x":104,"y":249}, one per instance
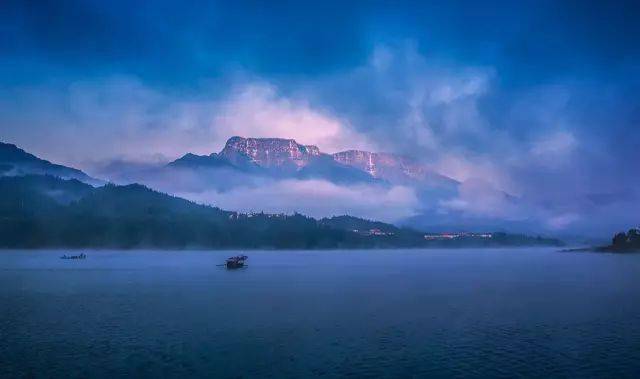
{"x":281,"y":175}
{"x":44,"y":211}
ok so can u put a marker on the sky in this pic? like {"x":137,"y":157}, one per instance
{"x":538,"y":99}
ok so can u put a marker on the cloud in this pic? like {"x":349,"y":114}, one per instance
{"x":82,"y":123}
{"x":88,"y":122}
{"x":406,"y":102}
{"x":552,"y":146}
{"x":316,"y":198}
{"x":236,"y":190}
{"x":256,"y":110}
{"x":554,"y":149}
{"x":478,"y":198}
{"x":562,"y":221}
{"x":467,"y":166}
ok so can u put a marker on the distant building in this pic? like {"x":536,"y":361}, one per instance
{"x":372,"y":232}
{"x":450,"y":236}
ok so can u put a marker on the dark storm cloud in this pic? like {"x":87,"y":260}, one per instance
{"x":178,"y":41}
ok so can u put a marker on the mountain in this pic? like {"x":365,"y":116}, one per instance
{"x":274,"y":157}
{"x":132,"y":216}
{"x":269,"y":152}
{"x":393,"y":168}
{"x":324,"y":167}
{"x":17,"y":162}
{"x":38,"y":211}
{"x":287,"y":158}
{"x":201,"y":161}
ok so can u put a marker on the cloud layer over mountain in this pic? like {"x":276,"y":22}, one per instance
{"x":533,"y":113}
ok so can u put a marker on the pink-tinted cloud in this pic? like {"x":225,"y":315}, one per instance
{"x":256,"y":110}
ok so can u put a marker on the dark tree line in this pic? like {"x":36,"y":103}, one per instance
{"x":44,"y":211}
{"x":626,"y":241}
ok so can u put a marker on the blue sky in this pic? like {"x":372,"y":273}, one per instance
{"x":537,"y":98}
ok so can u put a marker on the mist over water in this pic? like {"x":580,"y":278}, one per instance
{"x":472,"y":313}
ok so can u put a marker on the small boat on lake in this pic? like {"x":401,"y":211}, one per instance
{"x":236,"y":262}
{"x":80,"y":256}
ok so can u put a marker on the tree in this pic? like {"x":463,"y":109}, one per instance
{"x":633,"y":237}
{"x":620,"y":240}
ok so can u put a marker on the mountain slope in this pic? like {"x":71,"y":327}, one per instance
{"x":324,"y":167}
{"x":273,"y":157}
{"x":286,"y":158}
{"x":45,"y":211}
{"x":135,"y":216}
{"x":17,"y":162}
{"x":394,"y":168}
{"x":201,"y":161}
{"x":269,"y":152}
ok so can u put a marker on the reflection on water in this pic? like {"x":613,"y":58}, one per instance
{"x":336,"y":313}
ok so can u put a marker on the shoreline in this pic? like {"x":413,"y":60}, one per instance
{"x":76,"y":249}
{"x":600,"y":249}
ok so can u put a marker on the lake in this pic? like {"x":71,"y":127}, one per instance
{"x":392,"y":313}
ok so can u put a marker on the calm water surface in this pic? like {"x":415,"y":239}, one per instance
{"x":404,"y":313}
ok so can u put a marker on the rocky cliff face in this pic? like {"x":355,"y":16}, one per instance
{"x":269,"y":152}
{"x":363,"y":160}
{"x":287,"y":157}
{"x":392,"y":167}
{"x":380,"y":164}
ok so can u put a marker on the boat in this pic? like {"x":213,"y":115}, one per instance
{"x":236,"y":262}
{"x":80,"y":256}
